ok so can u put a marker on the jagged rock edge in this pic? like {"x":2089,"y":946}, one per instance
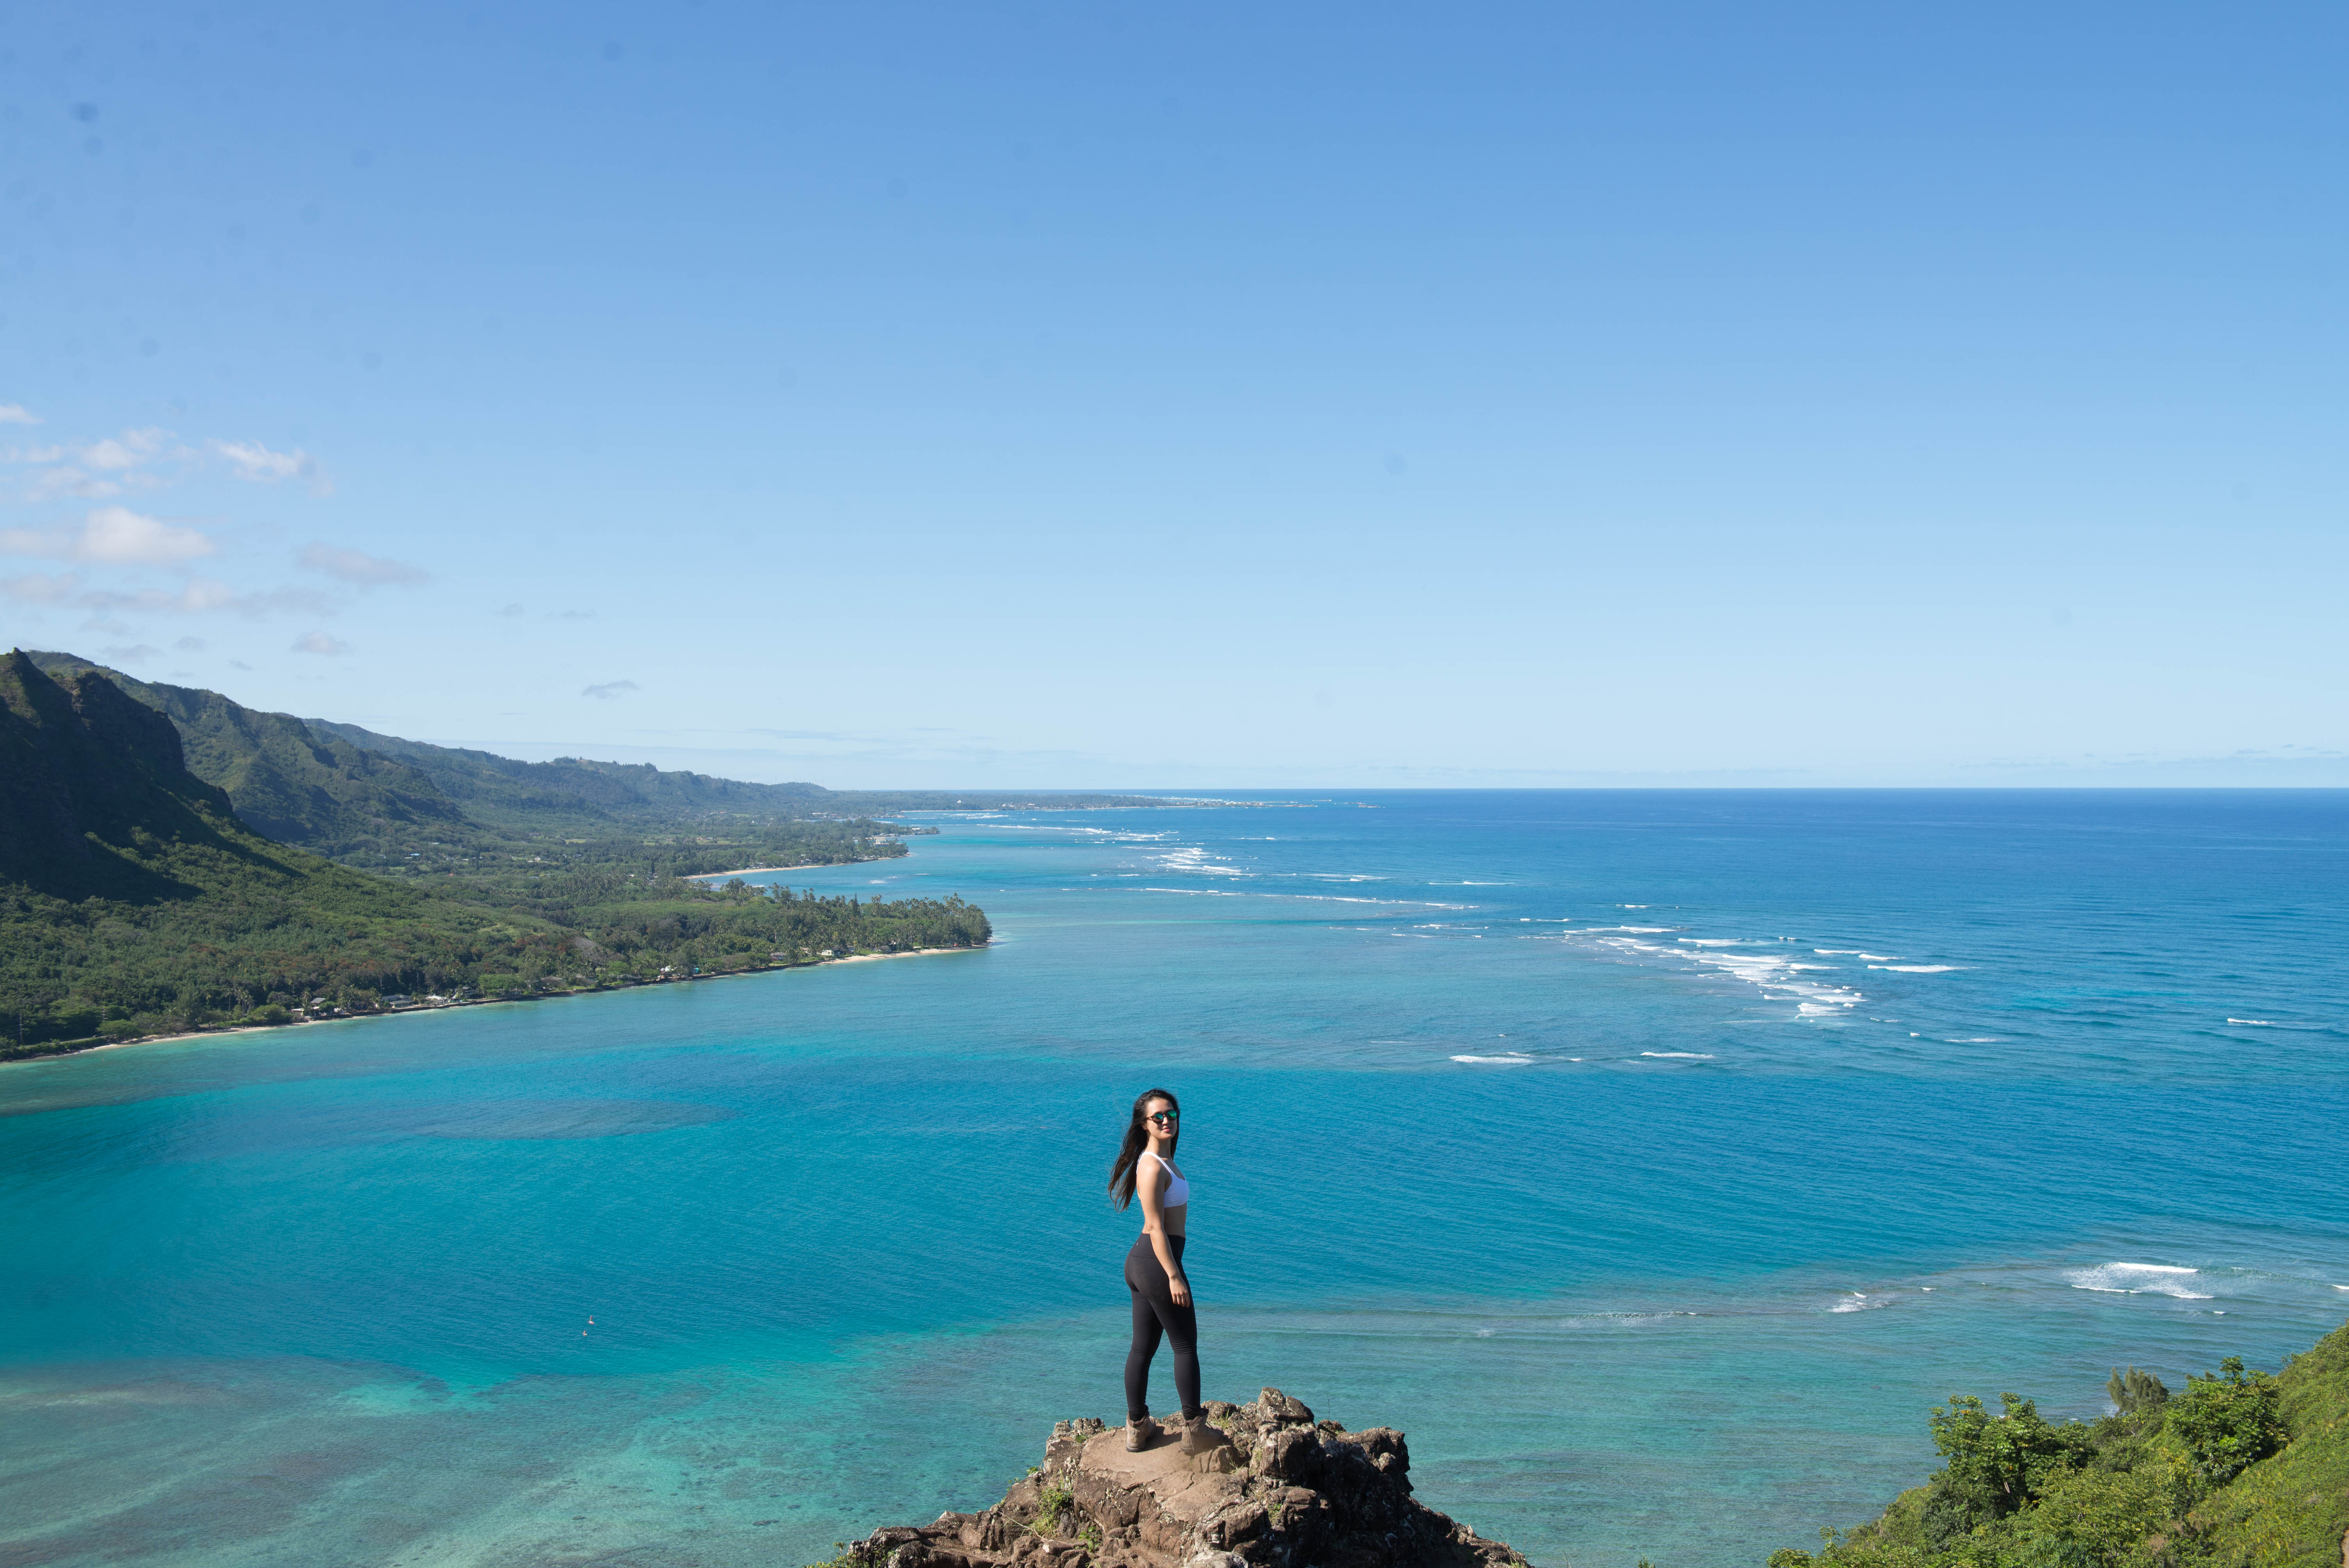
{"x":1288,"y":1492}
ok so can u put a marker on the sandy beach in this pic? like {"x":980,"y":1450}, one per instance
{"x":912,"y":953}
{"x":762,"y":870}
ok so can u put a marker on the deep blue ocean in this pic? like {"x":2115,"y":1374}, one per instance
{"x":1656,"y":1160}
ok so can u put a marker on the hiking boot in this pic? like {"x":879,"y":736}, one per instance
{"x":1199,"y":1438}
{"x":1140,"y":1434}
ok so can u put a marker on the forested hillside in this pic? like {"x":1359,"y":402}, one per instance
{"x":407,"y":807}
{"x":522,"y":793}
{"x":285,"y":780}
{"x":572,"y":793}
{"x":2239,"y":1469}
{"x":358,"y":797}
{"x":133,"y":900}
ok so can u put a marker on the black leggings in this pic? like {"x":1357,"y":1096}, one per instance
{"x":1156,"y":1313}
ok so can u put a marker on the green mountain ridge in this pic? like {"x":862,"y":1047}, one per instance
{"x":569,"y":790}
{"x":133,"y":893}
{"x":94,"y":783}
{"x":378,"y":801}
{"x":639,"y":787}
{"x":135,"y":900}
{"x":287,"y":779}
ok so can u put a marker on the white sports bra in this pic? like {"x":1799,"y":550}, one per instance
{"x":1178,"y":1190}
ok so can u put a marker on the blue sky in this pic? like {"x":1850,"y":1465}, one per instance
{"x":1096,"y":394}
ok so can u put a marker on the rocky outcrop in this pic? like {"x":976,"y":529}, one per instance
{"x":1281,"y":1491}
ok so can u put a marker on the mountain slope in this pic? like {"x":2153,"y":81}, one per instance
{"x":571,"y":791}
{"x":94,"y":800}
{"x":128,"y":890}
{"x":354,"y":797}
{"x":133,"y":902}
{"x":552,"y":796}
{"x":381,"y":801}
{"x":288,"y":781}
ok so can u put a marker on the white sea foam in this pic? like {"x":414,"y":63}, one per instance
{"x":2255,"y":1023}
{"x":1341,"y":898}
{"x":1680,"y":1055}
{"x":1716,"y":941}
{"x":2139,"y":1279}
{"x":1771,"y":971}
{"x":1512,"y":1061}
{"x":1837,"y":951}
{"x":1197,"y":861}
{"x":1916,"y":968}
{"x":1307,"y":897}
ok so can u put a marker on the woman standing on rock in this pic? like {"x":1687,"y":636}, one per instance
{"x":1154,"y":1270}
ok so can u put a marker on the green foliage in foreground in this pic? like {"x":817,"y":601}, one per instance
{"x":2241,"y":1471}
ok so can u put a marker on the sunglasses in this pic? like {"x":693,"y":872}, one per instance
{"x":1164,"y":1117}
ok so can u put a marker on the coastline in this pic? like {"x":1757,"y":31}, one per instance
{"x":763,"y":870}
{"x":226,"y":1030}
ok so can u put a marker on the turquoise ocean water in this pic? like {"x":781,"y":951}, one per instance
{"x":1655,"y":1160}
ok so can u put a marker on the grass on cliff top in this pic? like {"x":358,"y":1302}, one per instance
{"x":2239,"y":1469}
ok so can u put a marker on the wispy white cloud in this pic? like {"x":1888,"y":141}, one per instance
{"x":358,"y":566}
{"x":120,"y":535}
{"x":189,"y":645}
{"x":510,"y":610}
{"x":207,"y":595}
{"x":258,"y":464}
{"x":610,"y":690}
{"x":320,"y":643}
{"x":94,"y":470}
{"x":134,"y":459}
{"x":130,"y":450}
{"x":133,"y":655}
{"x":39,"y":588}
{"x":113,"y":535}
{"x":252,"y":460}
{"x":66,"y":480}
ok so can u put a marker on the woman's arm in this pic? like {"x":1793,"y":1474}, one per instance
{"x":1153,"y":1225}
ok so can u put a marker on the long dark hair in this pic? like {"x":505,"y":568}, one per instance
{"x":1121,"y":1175}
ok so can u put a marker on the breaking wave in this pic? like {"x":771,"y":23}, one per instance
{"x":2139,"y":1279}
